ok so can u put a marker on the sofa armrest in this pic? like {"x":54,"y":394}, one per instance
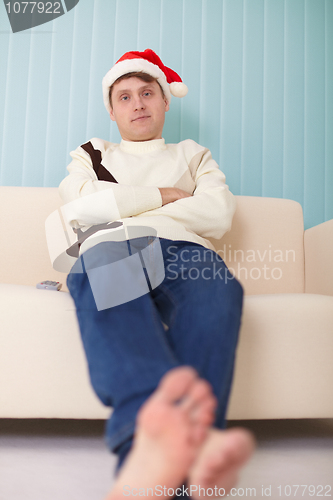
{"x":318,"y":248}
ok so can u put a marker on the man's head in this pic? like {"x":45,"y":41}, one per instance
{"x":144,"y":64}
{"x":138,"y":106}
{"x":138,"y":74}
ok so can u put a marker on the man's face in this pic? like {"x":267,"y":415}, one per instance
{"x":139,"y":109}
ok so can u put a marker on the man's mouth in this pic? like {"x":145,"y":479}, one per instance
{"x":139,"y":118}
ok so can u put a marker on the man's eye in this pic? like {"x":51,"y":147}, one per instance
{"x":124,"y":98}
{"x":147,"y":93}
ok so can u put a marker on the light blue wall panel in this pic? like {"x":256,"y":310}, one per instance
{"x":232,"y":92}
{"x":171,"y":43}
{"x":293,"y":140}
{"x":80,"y":73}
{"x":260,"y":96}
{"x":36,"y":113}
{"x":149,"y":25}
{"x":273,"y":100}
{"x":14,"y":97}
{"x":211,"y":70}
{"x":101,"y":60}
{"x":191,"y":69}
{"x":314,"y":112}
{"x":329,"y":110}
{"x":4,"y":61}
{"x":59,"y":91}
{"x":252,"y":99}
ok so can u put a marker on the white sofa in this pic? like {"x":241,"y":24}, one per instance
{"x":284,"y":365}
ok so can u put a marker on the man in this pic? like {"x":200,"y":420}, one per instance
{"x":150,"y":292}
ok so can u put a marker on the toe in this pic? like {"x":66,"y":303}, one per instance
{"x":200,"y":402}
{"x":176,"y":384}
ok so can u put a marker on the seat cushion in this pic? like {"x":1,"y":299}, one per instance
{"x":43,"y":369}
{"x":284,"y":363}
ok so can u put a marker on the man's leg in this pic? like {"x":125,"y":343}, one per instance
{"x":128,"y":350}
{"x":125,"y":345}
{"x":201,"y":302}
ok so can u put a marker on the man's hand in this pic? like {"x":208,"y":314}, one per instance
{"x":172,"y":194}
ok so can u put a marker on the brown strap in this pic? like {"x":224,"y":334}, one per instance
{"x":96,"y":158}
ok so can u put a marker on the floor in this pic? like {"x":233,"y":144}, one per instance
{"x":68,"y":460}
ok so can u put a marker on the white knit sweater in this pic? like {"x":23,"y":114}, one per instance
{"x":138,"y":170}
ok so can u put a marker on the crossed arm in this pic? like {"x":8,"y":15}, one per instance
{"x":207,"y":212}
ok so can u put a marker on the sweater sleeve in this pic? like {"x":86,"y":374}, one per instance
{"x":90,"y":201}
{"x":209,"y":211}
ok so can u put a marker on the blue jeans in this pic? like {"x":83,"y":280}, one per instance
{"x":127,"y":347}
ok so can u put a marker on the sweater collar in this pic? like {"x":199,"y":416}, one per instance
{"x":142,"y":147}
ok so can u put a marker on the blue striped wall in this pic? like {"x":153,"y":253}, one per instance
{"x":259,"y":74}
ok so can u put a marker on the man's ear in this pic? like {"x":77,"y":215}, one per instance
{"x":112,"y":115}
{"x":167,"y":105}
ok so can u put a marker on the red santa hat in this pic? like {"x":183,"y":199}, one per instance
{"x":145,"y":62}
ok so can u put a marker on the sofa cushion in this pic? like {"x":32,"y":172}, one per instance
{"x":284,"y":363}
{"x":264,"y":247}
{"x":24,"y":255}
{"x":318,"y":249}
{"x":283,"y":367}
{"x":43,"y":369}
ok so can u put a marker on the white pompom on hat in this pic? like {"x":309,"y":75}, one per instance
{"x":144,"y":62}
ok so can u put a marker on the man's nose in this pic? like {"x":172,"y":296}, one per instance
{"x":138,"y":102}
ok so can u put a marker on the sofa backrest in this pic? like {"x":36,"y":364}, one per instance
{"x":24,"y":255}
{"x":264,"y":246}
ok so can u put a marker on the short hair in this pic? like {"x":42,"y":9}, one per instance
{"x":137,"y":74}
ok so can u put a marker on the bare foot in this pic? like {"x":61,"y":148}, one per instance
{"x":171,"y":426}
{"x":219,"y":462}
